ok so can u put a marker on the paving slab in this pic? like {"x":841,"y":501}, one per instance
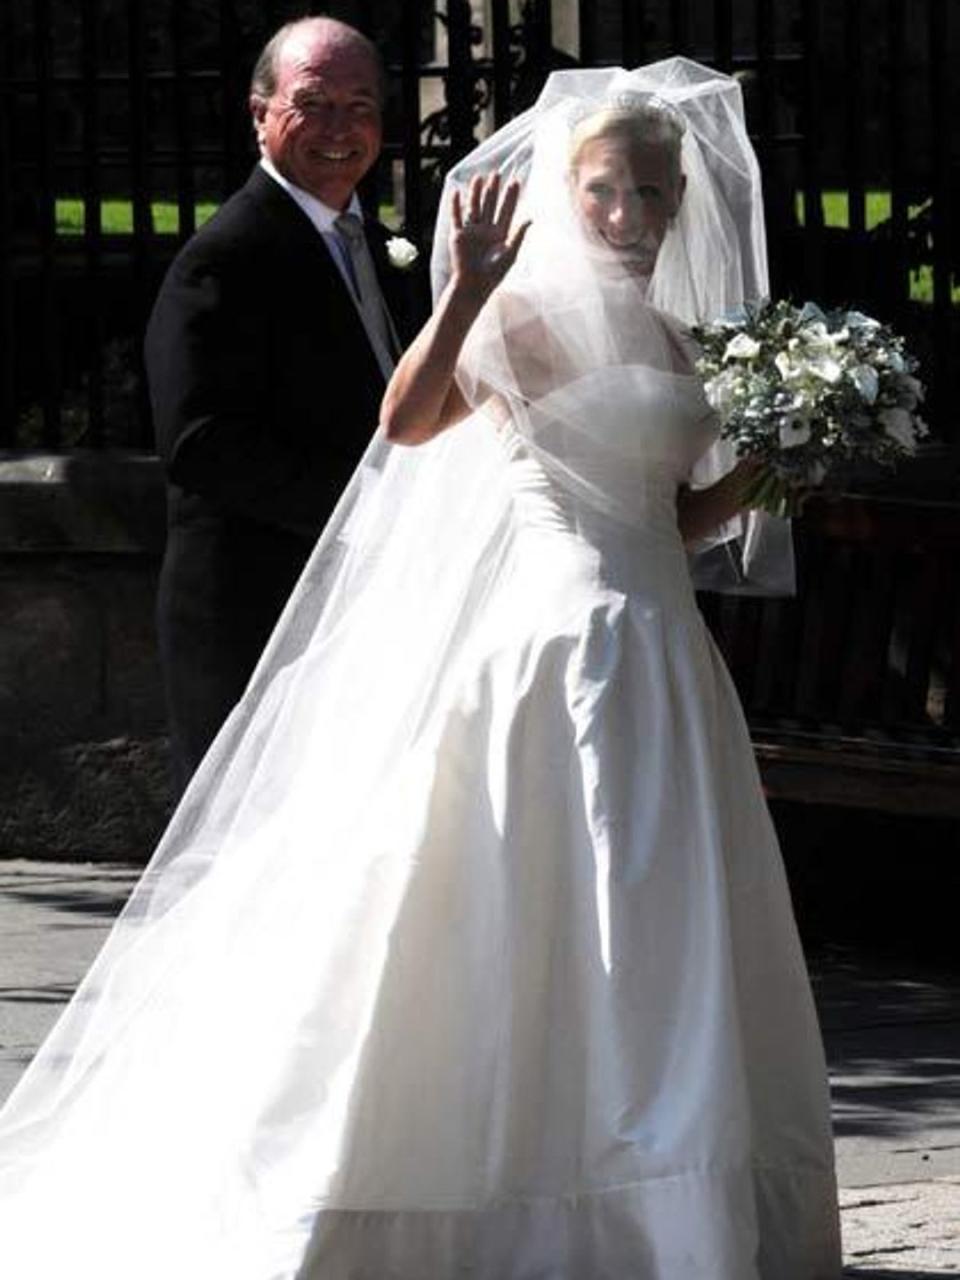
{"x":891,"y":1030}
{"x":892,"y":1035}
{"x":914,"y":1226}
{"x":54,"y":918}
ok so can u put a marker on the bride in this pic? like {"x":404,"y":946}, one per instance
{"x":469,"y":950}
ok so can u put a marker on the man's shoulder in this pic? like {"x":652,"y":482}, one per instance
{"x":238,"y":215}
{"x":253,"y":220}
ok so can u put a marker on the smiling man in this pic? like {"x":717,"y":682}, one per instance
{"x":315,"y":98}
{"x":267,"y":354}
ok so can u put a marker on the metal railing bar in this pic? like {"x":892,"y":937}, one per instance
{"x":854,"y":142}
{"x":899,"y":211}
{"x":811,"y":147}
{"x":185,"y":184}
{"x":501,"y":69}
{"x":50,"y":393}
{"x":680,"y":27}
{"x":459,"y":80}
{"x":634,"y":17}
{"x":8,"y":341}
{"x":723,"y":34}
{"x":943,"y":104}
{"x":92,"y":231}
{"x":411,"y":149}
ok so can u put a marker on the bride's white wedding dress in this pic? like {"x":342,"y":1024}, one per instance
{"x":594,"y":1054}
{"x":469,"y":954}
{"x":559,"y":1029}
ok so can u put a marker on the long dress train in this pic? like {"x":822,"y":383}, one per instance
{"x":544,"y":1017}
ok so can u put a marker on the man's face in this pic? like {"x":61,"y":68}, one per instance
{"x":321,"y":128}
{"x":627,"y":194}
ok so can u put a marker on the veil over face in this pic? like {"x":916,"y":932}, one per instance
{"x":627,"y":192}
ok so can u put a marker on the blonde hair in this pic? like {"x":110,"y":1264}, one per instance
{"x":642,"y":123}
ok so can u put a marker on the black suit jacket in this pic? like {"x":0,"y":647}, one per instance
{"x":265,"y":392}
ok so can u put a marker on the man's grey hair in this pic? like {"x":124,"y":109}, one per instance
{"x":263,"y":81}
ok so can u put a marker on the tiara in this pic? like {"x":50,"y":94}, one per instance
{"x":638,"y":99}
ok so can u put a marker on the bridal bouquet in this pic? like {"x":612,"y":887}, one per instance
{"x":805,"y":391}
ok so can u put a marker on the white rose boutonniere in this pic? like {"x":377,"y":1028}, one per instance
{"x":401,"y":253}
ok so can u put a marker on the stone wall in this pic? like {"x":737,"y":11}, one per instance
{"x":84,"y":769}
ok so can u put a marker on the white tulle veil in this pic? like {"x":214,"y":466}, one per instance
{"x":230,"y":967}
{"x":712,"y":260}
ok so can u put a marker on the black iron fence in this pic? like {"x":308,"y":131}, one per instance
{"x":123,"y":124}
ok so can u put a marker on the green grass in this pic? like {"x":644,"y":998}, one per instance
{"x":878,"y":208}
{"x":836,"y":208}
{"x":116,"y":217}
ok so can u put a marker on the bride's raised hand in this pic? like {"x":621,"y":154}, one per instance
{"x":483,"y":245}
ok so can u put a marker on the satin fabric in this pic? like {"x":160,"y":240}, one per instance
{"x":543,"y":1014}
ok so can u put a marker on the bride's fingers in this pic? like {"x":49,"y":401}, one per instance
{"x":510,"y":197}
{"x":456,"y":210}
{"x":491,"y":193}
{"x":474,"y":199}
{"x":512,"y":247}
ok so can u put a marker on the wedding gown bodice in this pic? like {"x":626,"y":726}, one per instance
{"x":595,"y":467}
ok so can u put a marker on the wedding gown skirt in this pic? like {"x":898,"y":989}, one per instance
{"x":561,"y":1031}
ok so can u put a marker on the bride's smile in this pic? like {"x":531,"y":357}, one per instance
{"x":627,"y":191}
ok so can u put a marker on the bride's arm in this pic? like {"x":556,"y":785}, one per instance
{"x":700,"y":511}
{"x":422,"y":398}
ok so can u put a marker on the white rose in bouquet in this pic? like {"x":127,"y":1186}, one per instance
{"x":803,"y":391}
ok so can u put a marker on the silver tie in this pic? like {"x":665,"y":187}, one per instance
{"x":367,"y":294}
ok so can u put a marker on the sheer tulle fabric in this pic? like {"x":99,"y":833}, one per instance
{"x":712,"y":260}
{"x":468,"y":952}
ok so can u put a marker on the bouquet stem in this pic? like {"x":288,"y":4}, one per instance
{"x":768,"y":491}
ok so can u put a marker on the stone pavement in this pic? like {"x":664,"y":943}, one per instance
{"x":892,"y":1032}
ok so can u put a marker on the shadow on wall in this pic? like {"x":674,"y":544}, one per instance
{"x":84,"y":772}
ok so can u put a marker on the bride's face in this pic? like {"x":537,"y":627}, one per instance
{"x":627,"y":192}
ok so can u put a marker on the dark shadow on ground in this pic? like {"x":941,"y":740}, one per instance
{"x":54,"y":993}
{"x":104,"y":899}
{"x":870,"y":1273}
{"x":892,"y":1037}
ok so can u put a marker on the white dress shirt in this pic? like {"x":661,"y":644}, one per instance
{"x":322,"y":217}
{"x":374,"y":313}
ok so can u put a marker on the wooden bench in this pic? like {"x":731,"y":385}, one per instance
{"x":852,"y":688}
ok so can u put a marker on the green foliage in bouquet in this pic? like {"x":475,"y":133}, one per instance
{"x":805,"y":392}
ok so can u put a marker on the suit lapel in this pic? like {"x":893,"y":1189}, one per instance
{"x":299,"y":233}
{"x":375,"y":239}
{"x":296,"y":228}
{"x":396,"y":285}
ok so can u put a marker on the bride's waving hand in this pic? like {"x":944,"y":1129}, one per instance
{"x":482,"y":245}
{"x":422,"y":398}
